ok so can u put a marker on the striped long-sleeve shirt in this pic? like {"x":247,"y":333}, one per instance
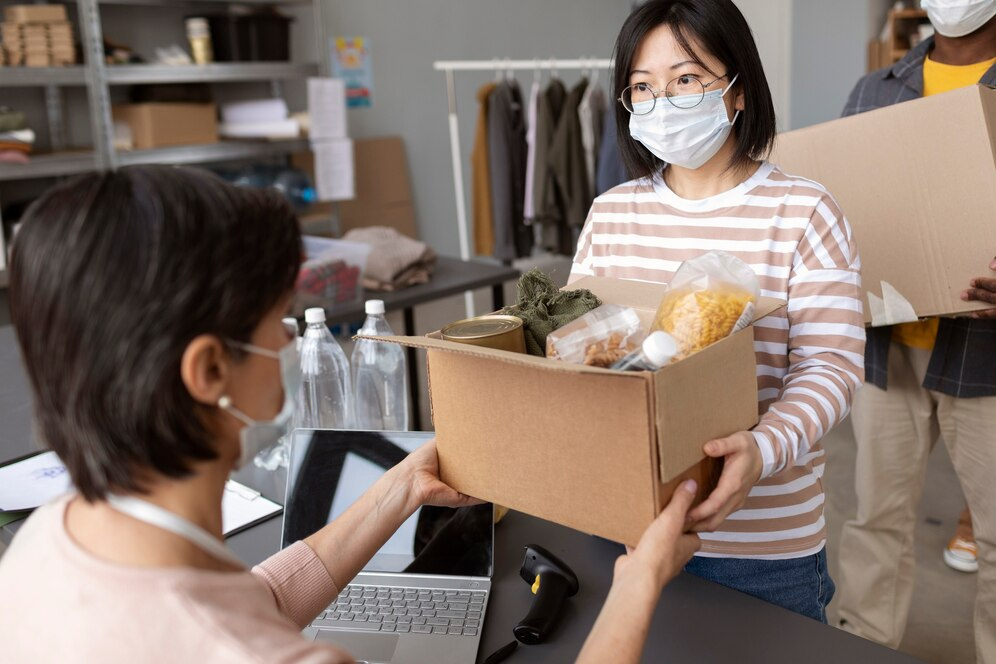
{"x":809,"y":355}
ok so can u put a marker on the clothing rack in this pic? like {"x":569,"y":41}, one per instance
{"x":497,"y":65}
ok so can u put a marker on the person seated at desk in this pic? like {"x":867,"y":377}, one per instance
{"x":148,"y":306}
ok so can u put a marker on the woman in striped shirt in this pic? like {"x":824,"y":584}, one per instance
{"x":697,"y":125}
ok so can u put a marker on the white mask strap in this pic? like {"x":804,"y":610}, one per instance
{"x":225,"y":403}
{"x":251,"y":348}
{"x":732,"y":81}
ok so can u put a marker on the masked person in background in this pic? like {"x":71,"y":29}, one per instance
{"x":937,"y":376}
{"x":148,"y":306}
{"x":695,"y":121}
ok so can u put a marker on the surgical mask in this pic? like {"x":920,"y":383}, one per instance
{"x":957,"y":18}
{"x":685,"y":137}
{"x":257,"y":435}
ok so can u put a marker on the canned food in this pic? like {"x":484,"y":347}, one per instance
{"x":500,"y":332}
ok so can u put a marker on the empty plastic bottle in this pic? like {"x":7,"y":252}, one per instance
{"x":297,"y":187}
{"x":380,"y":376}
{"x":325,"y":401}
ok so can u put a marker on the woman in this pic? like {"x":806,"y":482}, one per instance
{"x":148,"y":307}
{"x":694,"y":124}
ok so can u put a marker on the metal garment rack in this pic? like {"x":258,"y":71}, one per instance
{"x":449,"y":67}
{"x":98,"y":77}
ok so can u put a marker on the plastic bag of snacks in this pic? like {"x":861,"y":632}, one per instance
{"x":598,"y":338}
{"x":709,"y":298}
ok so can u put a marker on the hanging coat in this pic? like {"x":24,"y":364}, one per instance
{"x":566,"y":161}
{"x":484,"y":227}
{"x":507,"y":159}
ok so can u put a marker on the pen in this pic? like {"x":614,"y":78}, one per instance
{"x":502,"y":653}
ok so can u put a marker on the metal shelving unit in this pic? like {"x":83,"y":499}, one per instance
{"x":98,"y":77}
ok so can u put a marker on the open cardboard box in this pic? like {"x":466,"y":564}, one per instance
{"x":917,"y":181}
{"x":597,"y":450}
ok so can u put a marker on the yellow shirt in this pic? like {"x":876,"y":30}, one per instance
{"x":938,"y":78}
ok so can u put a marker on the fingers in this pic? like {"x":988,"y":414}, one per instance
{"x":681,"y":500}
{"x":723,"y":446}
{"x":687,"y":546}
{"x":985,"y":314}
{"x":723,"y":493}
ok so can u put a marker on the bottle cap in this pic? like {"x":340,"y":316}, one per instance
{"x":375,"y":307}
{"x":660,"y":347}
{"x":291,"y":324}
{"x":314,"y":315}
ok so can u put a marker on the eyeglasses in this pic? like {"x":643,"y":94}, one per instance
{"x":682,"y":92}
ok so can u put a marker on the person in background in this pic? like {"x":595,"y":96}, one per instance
{"x":148,"y":305}
{"x":695,"y":120}
{"x":937,"y":376}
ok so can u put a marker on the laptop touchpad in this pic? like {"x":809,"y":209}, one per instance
{"x":369,"y":647}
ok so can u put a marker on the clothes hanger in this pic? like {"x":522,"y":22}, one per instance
{"x":509,"y":76}
{"x":497,"y":64}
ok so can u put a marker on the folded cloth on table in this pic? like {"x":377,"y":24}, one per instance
{"x":396,"y":261}
{"x":11,"y":120}
{"x":15,"y":146}
{"x":13,"y":157}
{"x":544,"y":308}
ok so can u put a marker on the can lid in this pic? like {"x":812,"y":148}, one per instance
{"x":374,"y":307}
{"x":660,"y":347}
{"x":199,"y":26}
{"x":481,"y":327}
{"x":314,"y":315}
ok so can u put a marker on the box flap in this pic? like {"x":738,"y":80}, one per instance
{"x":640,"y":294}
{"x":917,"y":181}
{"x":431,"y":343}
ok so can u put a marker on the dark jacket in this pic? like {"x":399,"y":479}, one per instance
{"x":963,"y":363}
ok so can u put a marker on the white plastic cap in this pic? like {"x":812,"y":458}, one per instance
{"x":660,"y":347}
{"x":375,"y":307}
{"x":314,"y":315}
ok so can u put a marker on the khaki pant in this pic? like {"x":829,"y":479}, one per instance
{"x":895,"y":432}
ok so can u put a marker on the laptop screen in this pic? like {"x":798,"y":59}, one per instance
{"x":330,"y":469}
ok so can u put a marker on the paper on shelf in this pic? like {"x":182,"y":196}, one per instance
{"x":327,"y":108}
{"x":334,"y":170}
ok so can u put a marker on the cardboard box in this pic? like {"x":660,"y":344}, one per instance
{"x":597,"y":450}
{"x":383,"y":189}
{"x":164,"y":124}
{"x":35,"y":13}
{"x":917,"y":181}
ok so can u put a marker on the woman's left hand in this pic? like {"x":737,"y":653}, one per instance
{"x":741,"y":471}
{"x":427,"y":488}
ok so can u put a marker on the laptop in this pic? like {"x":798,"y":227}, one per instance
{"x":423,"y":596}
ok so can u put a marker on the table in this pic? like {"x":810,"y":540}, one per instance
{"x":452,"y":276}
{"x":696,"y":620}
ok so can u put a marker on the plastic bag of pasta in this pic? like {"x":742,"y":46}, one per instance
{"x":709,"y":298}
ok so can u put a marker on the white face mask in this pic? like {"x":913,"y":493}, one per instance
{"x":957,"y":18}
{"x":685,"y":137}
{"x":257,"y":435}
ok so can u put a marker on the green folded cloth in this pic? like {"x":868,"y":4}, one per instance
{"x":544,"y":308}
{"x":11,"y":120}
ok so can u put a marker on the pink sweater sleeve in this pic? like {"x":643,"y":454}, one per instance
{"x":298,"y":581}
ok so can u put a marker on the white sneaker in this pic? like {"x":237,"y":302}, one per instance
{"x":961,"y":555}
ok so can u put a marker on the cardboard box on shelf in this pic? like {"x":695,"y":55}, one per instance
{"x":597,"y":450}
{"x":917,"y":181}
{"x":35,"y":13}
{"x":164,"y":124}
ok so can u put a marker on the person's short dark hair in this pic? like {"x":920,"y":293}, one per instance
{"x":723,"y":31}
{"x":111,"y":276}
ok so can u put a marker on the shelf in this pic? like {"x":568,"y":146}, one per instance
{"x":50,"y":165}
{"x":223,"y":151}
{"x":218,"y":72}
{"x":39,"y":76}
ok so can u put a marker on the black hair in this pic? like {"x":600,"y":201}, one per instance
{"x":723,"y":31}
{"x":111,"y":276}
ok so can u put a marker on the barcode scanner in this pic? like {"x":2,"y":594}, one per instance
{"x":552,"y":582}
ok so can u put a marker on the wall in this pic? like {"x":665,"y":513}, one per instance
{"x":771,"y":23}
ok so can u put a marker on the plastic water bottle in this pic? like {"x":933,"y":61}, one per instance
{"x":298,"y":189}
{"x":325,"y":391}
{"x":380,"y":376}
{"x":279,"y":455}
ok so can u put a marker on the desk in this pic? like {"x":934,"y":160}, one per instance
{"x":452,"y":276}
{"x":696,"y":621}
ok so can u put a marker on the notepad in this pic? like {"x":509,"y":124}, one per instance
{"x":36,"y":480}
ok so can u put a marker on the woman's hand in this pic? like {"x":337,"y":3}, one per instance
{"x":422,"y":471}
{"x":663,"y":548}
{"x":741,"y":471}
{"x":982,"y":289}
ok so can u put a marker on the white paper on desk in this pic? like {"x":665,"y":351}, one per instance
{"x":327,"y":108}
{"x":32,"y":482}
{"x":334,"y":171}
{"x":241,"y":506}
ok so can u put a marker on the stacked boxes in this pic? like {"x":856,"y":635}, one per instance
{"x":37,"y":36}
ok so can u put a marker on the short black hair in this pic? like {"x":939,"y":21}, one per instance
{"x":111,"y":276}
{"x":723,"y":31}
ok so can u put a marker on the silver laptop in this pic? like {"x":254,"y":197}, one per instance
{"x":423,"y":597}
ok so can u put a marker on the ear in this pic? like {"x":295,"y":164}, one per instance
{"x":738,"y":101}
{"x":205,"y":369}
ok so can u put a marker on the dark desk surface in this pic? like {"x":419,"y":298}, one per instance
{"x":696,"y":621}
{"x":452,"y":276}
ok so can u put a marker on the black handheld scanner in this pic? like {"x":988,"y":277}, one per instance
{"x":552,"y":581}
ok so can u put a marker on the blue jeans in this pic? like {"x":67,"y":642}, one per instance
{"x":802,"y":585}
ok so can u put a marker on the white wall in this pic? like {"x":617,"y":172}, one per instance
{"x":771,"y":23}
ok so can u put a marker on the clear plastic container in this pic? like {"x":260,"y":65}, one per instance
{"x":325,"y":401}
{"x":656,"y":351}
{"x":333,"y":270}
{"x":380,"y":377}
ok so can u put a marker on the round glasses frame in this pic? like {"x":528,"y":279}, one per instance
{"x":698,"y":95}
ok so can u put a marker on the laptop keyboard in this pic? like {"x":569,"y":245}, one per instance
{"x":406,"y":610}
